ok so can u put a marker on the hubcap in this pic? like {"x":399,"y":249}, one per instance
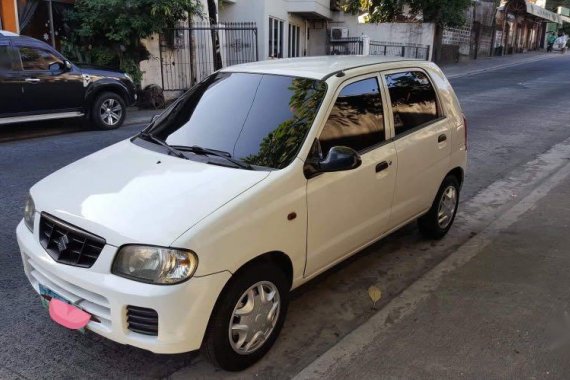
{"x":447,"y":205}
{"x":111,"y":112}
{"x":254,"y":317}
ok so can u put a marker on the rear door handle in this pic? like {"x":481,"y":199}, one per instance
{"x":383,"y":166}
{"x":32,"y":80}
{"x":442,"y":138}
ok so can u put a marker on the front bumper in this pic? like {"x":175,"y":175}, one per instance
{"x":183,"y":310}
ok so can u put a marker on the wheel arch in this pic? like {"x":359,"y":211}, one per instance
{"x":459,"y":174}
{"x":100,"y":89}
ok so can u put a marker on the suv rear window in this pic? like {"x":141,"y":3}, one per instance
{"x":413,"y":100}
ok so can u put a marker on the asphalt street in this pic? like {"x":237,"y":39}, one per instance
{"x":514,"y":115}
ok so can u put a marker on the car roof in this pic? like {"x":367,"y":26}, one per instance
{"x":10,"y":36}
{"x":314,"y":67}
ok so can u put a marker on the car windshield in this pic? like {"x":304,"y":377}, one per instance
{"x":259,"y":119}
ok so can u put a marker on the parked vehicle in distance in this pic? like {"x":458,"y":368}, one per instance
{"x":38,"y":83}
{"x":255,"y":181}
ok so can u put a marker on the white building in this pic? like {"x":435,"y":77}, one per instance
{"x":286,"y":28}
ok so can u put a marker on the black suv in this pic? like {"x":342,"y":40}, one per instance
{"x":38,"y":83}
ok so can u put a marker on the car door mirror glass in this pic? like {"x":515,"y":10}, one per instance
{"x":56,"y":67}
{"x":340,"y":158}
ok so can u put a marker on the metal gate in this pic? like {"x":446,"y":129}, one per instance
{"x":188,"y":55}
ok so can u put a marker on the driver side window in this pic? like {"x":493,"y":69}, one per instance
{"x":34,"y":59}
{"x":357,"y":118}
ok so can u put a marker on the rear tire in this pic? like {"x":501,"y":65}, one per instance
{"x":247,"y":309}
{"x":439,"y":219}
{"x":108,"y":111}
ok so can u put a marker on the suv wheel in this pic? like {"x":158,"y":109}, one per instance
{"x":437,"y":222}
{"x":109,"y":111}
{"x":247,"y":318}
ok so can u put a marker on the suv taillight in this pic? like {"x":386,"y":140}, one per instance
{"x":465,"y":130}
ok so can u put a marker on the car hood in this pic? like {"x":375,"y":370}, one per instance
{"x":129,"y":194}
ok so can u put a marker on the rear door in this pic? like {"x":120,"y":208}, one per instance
{"x":422,"y":137}
{"x":48,"y":91}
{"x":10,"y":82}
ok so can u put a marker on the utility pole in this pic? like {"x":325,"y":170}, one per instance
{"x":51,"y":26}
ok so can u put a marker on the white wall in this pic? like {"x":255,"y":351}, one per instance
{"x":151,"y":67}
{"x":405,"y":33}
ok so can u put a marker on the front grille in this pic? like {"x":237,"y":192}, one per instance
{"x":68,"y":244}
{"x":142,"y":320}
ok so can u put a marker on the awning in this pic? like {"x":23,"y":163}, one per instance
{"x":537,"y":11}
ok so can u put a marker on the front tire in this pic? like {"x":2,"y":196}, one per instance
{"x":247,"y":318}
{"x":439,"y":219}
{"x":108,"y":111}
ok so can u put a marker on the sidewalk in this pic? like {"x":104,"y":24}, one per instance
{"x":493,"y":63}
{"x":499,"y":308}
{"x":136,"y":116}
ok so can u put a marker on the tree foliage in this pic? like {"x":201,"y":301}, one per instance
{"x":441,"y":12}
{"x":109,"y":32}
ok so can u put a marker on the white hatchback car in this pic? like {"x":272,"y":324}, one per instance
{"x":191,"y":234}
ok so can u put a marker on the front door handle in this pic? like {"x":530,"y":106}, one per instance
{"x":442,"y":138}
{"x":32,"y":80}
{"x":382,"y":166}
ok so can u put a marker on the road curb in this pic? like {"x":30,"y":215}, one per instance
{"x":341,"y":354}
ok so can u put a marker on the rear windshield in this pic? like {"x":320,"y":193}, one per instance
{"x":259,"y":119}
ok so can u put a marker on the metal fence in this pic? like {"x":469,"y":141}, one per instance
{"x":346,"y":46}
{"x":355,"y":46}
{"x":399,"y":50}
{"x":189,"y":54}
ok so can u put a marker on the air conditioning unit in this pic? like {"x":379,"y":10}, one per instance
{"x":339,"y":33}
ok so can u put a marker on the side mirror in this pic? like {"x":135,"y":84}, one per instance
{"x":56,"y":67}
{"x":60,"y":67}
{"x":339,"y":158}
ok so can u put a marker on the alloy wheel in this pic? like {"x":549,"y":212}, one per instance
{"x":110,"y":112}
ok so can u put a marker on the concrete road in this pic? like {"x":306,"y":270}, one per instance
{"x":514,"y":115}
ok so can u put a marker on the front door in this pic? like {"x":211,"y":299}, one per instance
{"x":45,"y":90}
{"x":347,"y":210}
{"x":422,"y":140}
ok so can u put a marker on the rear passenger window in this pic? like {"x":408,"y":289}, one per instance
{"x":413,"y":100}
{"x":357,"y":119}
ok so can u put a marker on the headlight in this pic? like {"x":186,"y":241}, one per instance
{"x":29,"y":213}
{"x":155,"y":265}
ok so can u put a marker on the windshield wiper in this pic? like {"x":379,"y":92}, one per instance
{"x":213,"y":152}
{"x":149,"y":137}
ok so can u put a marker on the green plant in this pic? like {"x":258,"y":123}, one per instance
{"x":109,"y":32}
{"x":441,"y":12}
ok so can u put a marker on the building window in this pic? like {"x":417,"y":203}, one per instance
{"x":275,"y":38}
{"x":294,"y":40}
